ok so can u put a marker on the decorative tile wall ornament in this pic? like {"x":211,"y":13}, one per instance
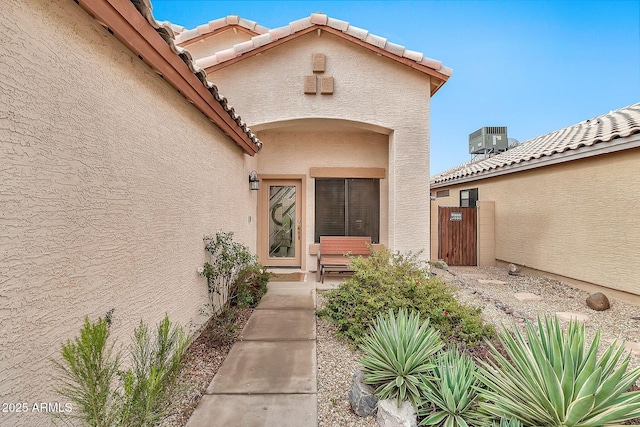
{"x":326,"y":85}
{"x":318,"y":60}
{"x":310,"y":85}
{"x":318,"y":66}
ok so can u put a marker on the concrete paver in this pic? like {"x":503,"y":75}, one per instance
{"x":280,"y":325}
{"x":284,"y":410}
{"x":287,"y":299}
{"x":269,"y":376}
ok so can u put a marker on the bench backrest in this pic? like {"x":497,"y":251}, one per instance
{"x":341,"y":245}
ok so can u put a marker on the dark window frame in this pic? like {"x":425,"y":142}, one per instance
{"x":347,"y":207}
{"x":472,"y":200}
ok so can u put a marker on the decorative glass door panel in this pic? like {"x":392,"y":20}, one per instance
{"x":282,"y":221}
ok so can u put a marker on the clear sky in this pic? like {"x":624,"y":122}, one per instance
{"x":533,"y":66}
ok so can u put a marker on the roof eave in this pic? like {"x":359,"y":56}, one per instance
{"x":440,"y":78}
{"x":132,"y":29}
{"x":612,"y":146}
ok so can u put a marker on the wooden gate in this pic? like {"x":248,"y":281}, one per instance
{"x":458,"y":235}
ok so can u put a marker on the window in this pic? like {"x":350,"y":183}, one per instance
{"x":347,"y":207}
{"x":468,"y":198}
{"x":442,"y":193}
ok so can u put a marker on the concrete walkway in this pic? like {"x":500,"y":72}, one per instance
{"x":269,"y":376}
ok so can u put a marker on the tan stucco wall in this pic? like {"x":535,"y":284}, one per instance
{"x":369,"y":89}
{"x":296,"y":152}
{"x":109,"y":179}
{"x":217,"y":42}
{"x":577,"y":219}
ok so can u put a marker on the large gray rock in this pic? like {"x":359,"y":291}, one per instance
{"x":361,"y":397}
{"x":598,"y":302}
{"x":389,"y":415}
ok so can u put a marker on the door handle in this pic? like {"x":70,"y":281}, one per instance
{"x":299,"y":228}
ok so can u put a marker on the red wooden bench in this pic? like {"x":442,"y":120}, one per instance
{"x":334,"y":252}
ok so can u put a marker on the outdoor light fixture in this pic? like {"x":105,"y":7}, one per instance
{"x":254,"y":182}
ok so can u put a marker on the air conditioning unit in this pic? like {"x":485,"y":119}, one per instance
{"x":489,"y":139}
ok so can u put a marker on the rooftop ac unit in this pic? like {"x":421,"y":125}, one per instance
{"x":489,"y":139}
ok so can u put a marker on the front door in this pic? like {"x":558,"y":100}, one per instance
{"x":281,"y":223}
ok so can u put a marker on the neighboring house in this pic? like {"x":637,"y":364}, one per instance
{"x":344,"y":117}
{"x":565,"y":203}
{"x":118,"y":156}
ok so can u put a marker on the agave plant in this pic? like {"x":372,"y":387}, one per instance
{"x":450,"y":398}
{"x":397,"y":351}
{"x":552,"y":379}
{"x":511,"y":422}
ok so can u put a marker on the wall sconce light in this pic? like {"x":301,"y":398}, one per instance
{"x":254,"y":182}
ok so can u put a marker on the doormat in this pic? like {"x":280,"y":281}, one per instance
{"x":287,"y":277}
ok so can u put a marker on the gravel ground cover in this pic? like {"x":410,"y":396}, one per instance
{"x":337,"y":361}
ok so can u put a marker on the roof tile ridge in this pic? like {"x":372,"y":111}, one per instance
{"x":216,"y":24}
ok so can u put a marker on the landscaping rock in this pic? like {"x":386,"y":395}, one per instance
{"x":440,"y":264}
{"x":527,"y":296}
{"x":514,"y":270}
{"x":572,"y":315}
{"x":598,"y":302}
{"x":361,"y":397}
{"x":389,"y":415}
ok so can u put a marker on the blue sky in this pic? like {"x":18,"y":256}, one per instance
{"x":534,"y":66}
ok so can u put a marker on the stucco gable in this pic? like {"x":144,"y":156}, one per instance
{"x":322,"y":22}
{"x":613,"y":131}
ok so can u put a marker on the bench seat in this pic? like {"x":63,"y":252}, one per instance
{"x":334,"y":252}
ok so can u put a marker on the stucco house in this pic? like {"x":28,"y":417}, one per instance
{"x":344,"y":117}
{"x":565,"y":203}
{"x":119,"y":154}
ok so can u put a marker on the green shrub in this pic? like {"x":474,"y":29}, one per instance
{"x":89,"y":370}
{"x":396,"y":353}
{"x":251,"y":285}
{"x":86,"y":375}
{"x":388,"y":280}
{"x":228,"y":258}
{"x":155,"y":367}
{"x":550,"y":379}
{"x":450,"y":397}
{"x":507,"y":423}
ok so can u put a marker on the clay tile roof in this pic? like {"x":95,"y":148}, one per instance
{"x":587,"y":135}
{"x":315,"y":19}
{"x":211,"y":26}
{"x":167,"y":32}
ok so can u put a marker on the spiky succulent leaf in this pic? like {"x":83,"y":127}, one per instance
{"x":550,"y":379}
{"x":397,"y":351}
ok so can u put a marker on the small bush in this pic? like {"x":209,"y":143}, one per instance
{"x":388,"y":280}
{"x":251,"y":285}
{"x":397,"y":353}
{"x":450,"y":396}
{"x":86,"y":375}
{"x":89,"y":370}
{"x":550,"y":377}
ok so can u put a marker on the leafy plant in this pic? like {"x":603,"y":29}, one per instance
{"x":251,"y":285}
{"x":504,"y":422}
{"x":89,"y":371}
{"x":155,"y":366}
{"x":450,"y":397}
{"x":388,"y":280}
{"x":228,"y":258}
{"x":396,"y":353}
{"x":86,"y":375}
{"x":549,"y":378}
